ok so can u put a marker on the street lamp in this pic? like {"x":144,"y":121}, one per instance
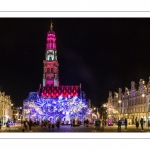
{"x":21,"y":120}
{"x":119,"y":101}
{"x":96,"y":108}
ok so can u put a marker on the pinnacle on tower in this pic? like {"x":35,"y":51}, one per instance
{"x":51,"y":25}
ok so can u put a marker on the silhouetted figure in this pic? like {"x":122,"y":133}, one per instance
{"x":73,"y":122}
{"x":125,"y":123}
{"x":148,"y":123}
{"x":141,"y":122}
{"x":137,"y":125}
{"x":87,"y":123}
{"x":119,"y":125}
{"x":49,"y":125}
{"x":57,"y":124}
{"x":84,"y":122}
{"x":0,"y":124}
{"x":25,"y":125}
{"x":30,"y":125}
{"x":53,"y":126}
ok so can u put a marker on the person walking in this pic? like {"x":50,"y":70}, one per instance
{"x":53,"y":126}
{"x":141,"y":122}
{"x":103,"y":123}
{"x":87,"y":123}
{"x":25,"y":126}
{"x":119,"y":125}
{"x":137,"y":125}
{"x":125,"y":123}
{"x":57,"y":124}
{"x":30,"y":125}
{"x":73,"y":122}
{"x":49,"y":125}
{"x":84,"y":121}
{"x":0,"y":125}
{"x":148,"y":124}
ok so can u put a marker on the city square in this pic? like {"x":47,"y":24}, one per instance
{"x":77,"y":104}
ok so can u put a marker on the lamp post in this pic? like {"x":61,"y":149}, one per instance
{"x":20,"y":114}
{"x":96,"y":108}
{"x":21,"y":120}
{"x":145,"y":112}
{"x":147,"y":108}
{"x":119,"y":101}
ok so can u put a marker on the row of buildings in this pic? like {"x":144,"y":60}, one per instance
{"x":5,"y":107}
{"x":132,"y":104}
{"x":7,"y":110}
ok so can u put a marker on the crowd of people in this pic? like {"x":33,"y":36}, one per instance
{"x":27,"y":125}
{"x":137,"y":123}
{"x":74,"y":122}
{"x":44,"y":124}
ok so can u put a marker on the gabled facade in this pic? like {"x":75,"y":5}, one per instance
{"x":133,"y":104}
{"x":5,"y":108}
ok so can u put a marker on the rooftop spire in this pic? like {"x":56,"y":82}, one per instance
{"x":51,"y":25}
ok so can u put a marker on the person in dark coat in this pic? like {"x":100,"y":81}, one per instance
{"x":87,"y":123}
{"x":0,"y":124}
{"x":84,"y":121}
{"x":49,"y":125}
{"x":73,"y":122}
{"x":119,"y":125}
{"x":57,"y":124}
{"x":141,"y":122}
{"x":148,"y":123}
{"x":137,"y":125}
{"x":25,"y":125}
{"x":30,"y":125}
{"x":125,"y":123}
{"x":53,"y":126}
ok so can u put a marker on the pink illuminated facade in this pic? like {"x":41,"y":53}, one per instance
{"x":50,"y":69}
{"x":51,"y":87}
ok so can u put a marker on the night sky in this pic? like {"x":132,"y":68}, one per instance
{"x":102,"y":54}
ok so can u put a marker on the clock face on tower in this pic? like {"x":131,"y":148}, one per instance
{"x":50,"y":55}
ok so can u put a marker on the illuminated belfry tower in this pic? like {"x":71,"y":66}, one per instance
{"x":51,"y":87}
{"x":50,"y":73}
{"x":52,"y":101}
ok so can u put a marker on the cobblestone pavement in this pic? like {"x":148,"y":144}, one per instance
{"x":68,"y":128}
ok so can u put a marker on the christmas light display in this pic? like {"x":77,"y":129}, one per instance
{"x":38,"y":108}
